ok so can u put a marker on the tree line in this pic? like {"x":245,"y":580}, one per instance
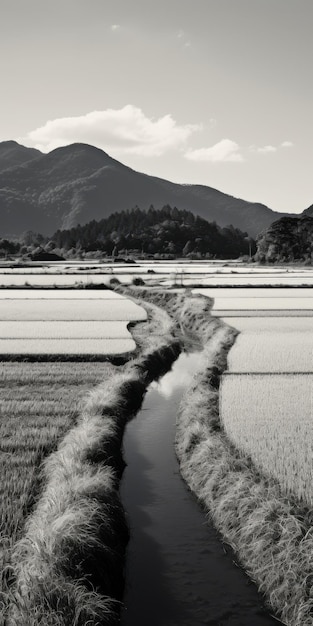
{"x":167,"y":231}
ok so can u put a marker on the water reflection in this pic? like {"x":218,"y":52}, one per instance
{"x":180,"y":375}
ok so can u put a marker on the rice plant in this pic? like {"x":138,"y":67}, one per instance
{"x":269,"y":418}
{"x":272,"y":352}
{"x":39,"y":403}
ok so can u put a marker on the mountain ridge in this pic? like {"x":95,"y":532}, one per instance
{"x":77,"y":183}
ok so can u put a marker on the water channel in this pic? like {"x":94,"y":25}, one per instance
{"x":178,"y":571}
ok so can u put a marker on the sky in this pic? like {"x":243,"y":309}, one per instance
{"x":214,"y":92}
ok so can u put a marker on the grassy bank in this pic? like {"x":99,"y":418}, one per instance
{"x":67,"y":566}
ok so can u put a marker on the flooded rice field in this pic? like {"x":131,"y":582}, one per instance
{"x":63,"y":309}
{"x":72,"y":322}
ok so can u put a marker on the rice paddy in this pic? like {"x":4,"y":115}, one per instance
{"x":267,"y":390}
{"x":38,"y":404}
{"x":269,"y":418}
{"x":59,"y":294}
{"x":66,"y":322}
{"x":78,"y":310}
{"x":267,"y":415}
{"x":255,"y":292}
{"x":68,"y":338}
{"x":272,"y":352}
{"x":264,"y":303}
{"x":272,"y":324}
{"x":87,"y":329}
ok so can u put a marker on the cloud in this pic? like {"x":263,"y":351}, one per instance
{"x":181,"y":35}
{"x":224,"y":150}
{"x":115,"y":27}
{"x":270,"y":148}
{"x":266,"y":149}
{"x":123,"y":131}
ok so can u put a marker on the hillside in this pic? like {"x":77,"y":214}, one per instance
{"x":308,"y":212}
{"x":286,"y":240}
{"x":79,"y":182}
{"x":12,"y":154}
{"x":166,"y":231}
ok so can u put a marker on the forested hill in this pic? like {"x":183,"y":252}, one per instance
{"x":167,"y":231}
{"x":286,"y":240}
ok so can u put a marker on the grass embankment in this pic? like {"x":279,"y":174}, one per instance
{"x":270,"y":532}
{"x":66,"y":568}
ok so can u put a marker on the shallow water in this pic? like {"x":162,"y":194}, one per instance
{"x":178,"y":571}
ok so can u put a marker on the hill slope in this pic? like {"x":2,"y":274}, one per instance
{"x":12,"y":153}
{"x":78,"y":183}
{"x":308,"y":212}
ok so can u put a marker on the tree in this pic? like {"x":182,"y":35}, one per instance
{"x":188,"y":248}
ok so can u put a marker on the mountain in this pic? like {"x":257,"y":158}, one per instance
{"x":78,"y":183}
{"x":308,"y":212}
{"x":166,"y":231}
{"x":286,"y":240}
{"x":12,"y":153}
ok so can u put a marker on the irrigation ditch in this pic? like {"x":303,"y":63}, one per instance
{"x":270,"y":532}
{"x":177,"y":569}
{"x":68,"y":567}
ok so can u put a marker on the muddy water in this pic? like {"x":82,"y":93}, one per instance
{"x":178,"y":572}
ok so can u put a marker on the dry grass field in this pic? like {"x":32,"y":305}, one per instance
{"x":39,"y":403}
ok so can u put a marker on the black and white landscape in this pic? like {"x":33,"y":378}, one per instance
{"x":156,"y":313}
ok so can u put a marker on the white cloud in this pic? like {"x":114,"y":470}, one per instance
{"x":224,"y":150}
{"x":266,"y":149}
{"x":115,"y":27}
{"x":123,"y":131}
{"x":270,"y":148}
{"x":180,"y":34}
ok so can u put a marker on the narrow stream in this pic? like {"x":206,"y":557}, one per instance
{"x":178,"y":572}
